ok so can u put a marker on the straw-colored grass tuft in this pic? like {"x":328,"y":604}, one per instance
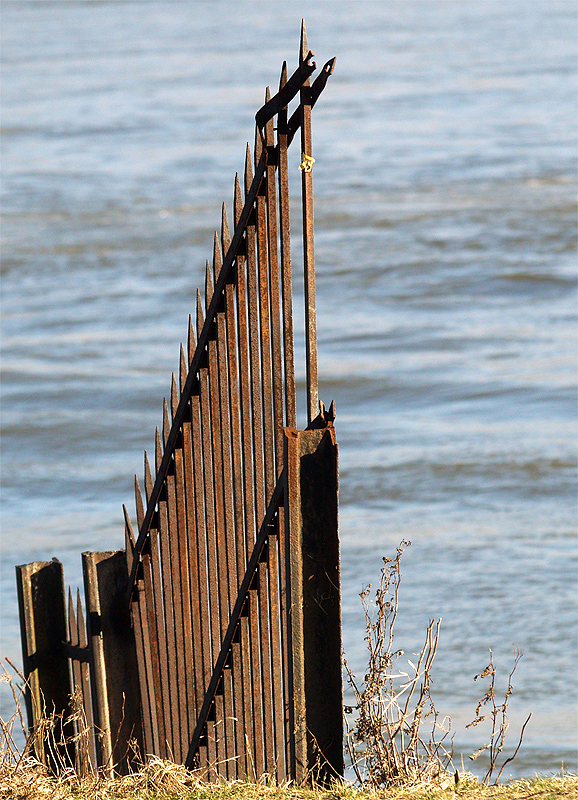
{"x":163,"y":780}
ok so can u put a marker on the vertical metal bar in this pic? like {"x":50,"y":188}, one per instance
{"x":237,"y":568}
{"x":200,"y":594}
{"x":182,"y":557}
{"x":213,"y":748}
{"x":274,"y":290}
{"x":172,"y":688}
{"x":268,"y":454}
{"x":254,"y":354}
{"x":80,"y":767}
{"x":249,"y":621}
{"x":217,"y":423}
{"x":285,"y":696}
{"x":308,"y":244}
{"x":85,"y":685}
{"x":230,"y":561}
{"x":142,"y":643}
{"x":173,"y":547}
{"x":295,"y":653}
{"x":190,"y":567}
{"x":155,"y":622}
{"x":244,"y":393}
{"x":268,"y":444}
{"x":258,"y":468}
{"x":275,"y":645}
{"x":145,"y":671}
{"x":285,"y":247}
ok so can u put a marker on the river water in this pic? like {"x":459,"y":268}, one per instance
{"x":445,"y":182}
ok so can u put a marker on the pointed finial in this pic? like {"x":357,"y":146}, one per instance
{"x":217,"y":259}
{"x":191,"y":341}
{"x":208,"y":285}
{"x":304,"y":48}
{"x":166,"y":423}
{"x":148,"y":476}
{"x":238,"y":200}
{"x":174,"y":393}
{"x":248,"y":171}
{"x":72,"y":629}
{"x":258,"y":146}
{"x":128,"y":525}
{"x":283,"y":79}
{"x":158,"y":447}
{"x":128,"y":539}
{"x":225,"y":235}
{"x":81,"y":625}
{"x":182,"y":367}
{"x":138,"y":503}
{"x":200,"y":315}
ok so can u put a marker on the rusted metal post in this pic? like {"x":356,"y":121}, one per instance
{"x":315,"y":604}
{"x":116,"y":701}
{"x":308,"y":245}
{"x":41,"y":602}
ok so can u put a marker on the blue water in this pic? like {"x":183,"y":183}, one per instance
{"x":445,"y":183}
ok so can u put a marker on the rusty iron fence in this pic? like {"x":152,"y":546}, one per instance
{"x":214,"y":638}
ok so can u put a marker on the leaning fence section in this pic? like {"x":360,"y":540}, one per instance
{"x":227,"y":593}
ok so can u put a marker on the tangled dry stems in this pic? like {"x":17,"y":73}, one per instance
{"x":385,"y":743}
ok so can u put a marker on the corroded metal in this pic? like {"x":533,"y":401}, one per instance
{"x":215,"y":553}
{"x":221,"y":670}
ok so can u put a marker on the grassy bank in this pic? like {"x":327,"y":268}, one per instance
{"x":161,"y":780}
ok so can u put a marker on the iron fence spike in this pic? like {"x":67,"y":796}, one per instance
{"x":258,"y":148}
{"x":148,"y":476}
{"x":175,"y":392}
{"x":217,"y":259}
{"x":303,"y":48}
{"x":191,"y":342}
{"x":248,"y":170}
{"x":208,"y":285}
{"x":225,"y":234}
{"x":138,"y":503}
{"x":158,"y":448}
{"x":182,"y":367}
{"x":72,"y":631}
{"x":238,"y":200}
{"x":81,"y":625}
{"x":200,"y":315}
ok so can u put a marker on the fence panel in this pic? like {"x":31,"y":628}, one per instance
{"x":232,"y":664}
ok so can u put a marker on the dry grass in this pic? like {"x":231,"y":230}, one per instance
{"x":162,"y":780}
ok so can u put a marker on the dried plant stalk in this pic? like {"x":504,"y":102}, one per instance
{"x":499,"y":719}
{"x":385,"y":744}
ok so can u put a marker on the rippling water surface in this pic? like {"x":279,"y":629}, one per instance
{"x":445,"y":186}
